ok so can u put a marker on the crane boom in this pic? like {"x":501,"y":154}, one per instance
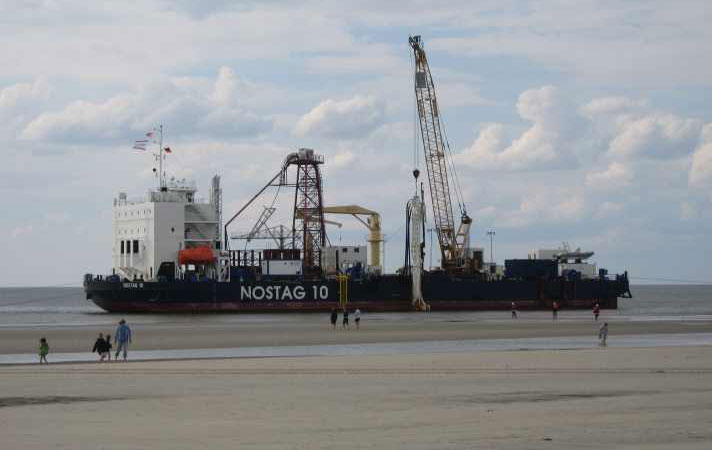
{"x":452,"y":243}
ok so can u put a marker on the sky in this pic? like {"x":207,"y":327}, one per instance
{"x":584,"y":122}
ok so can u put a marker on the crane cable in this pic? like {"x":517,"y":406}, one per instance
{"x":450,"y":158}
{"x":416,"y":159}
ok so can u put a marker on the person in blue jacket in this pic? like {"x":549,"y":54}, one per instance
{"x":122,"y":339}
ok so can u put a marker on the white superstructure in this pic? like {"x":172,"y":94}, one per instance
{"x":344,"y":256}
{"x":149,"y":232}
{"x":569,"y":260}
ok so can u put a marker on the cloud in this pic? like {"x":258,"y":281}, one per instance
{"x":543,"y":144}
{"x":342,"y":159}
{"x":655,"y":136}
{"x":21,"y":230}
{"x":700,"y":175}
{"x":546,"y":207}
{"x":616,"y":176}
{"x":346,"y":119}
{"x":606,"y":106}
{"x":186,"y":105}
{"x":630,"y":43}
{"x":81,"y":121}
{"x":22,"y":94}
{"x":608,"y":209}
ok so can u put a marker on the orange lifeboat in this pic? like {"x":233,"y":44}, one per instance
{"x":196,"y":255}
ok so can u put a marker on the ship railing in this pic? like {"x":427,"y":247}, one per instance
{"x":129,"y":201}
{"x":198,"y":236}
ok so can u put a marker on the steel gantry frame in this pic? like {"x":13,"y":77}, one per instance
{"x":308,"y":217}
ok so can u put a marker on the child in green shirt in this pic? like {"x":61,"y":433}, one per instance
{"x":44,"y":349}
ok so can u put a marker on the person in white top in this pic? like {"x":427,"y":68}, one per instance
{"x":357,"y":317}
{"x":603,"y":335}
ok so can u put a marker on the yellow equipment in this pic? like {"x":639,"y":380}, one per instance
{"x":343,"y":290}
{"x":372,"y":222}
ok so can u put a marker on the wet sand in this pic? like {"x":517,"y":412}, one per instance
{"x":657,"y":398}
{"x":198,"y":332}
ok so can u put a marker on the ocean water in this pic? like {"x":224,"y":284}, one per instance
{"x":66,"y":306}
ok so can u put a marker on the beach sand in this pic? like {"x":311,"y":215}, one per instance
{"x":621,"y":398}
{"x":196,"y":332}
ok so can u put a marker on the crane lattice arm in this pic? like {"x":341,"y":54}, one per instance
{"x":452,"y":243}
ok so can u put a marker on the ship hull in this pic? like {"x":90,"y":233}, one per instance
{"x":385,"y":293}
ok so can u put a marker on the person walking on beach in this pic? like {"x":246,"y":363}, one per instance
{"x":514,"y":310}
{"x":100,"y":347}
{"x":107,"y":343}
{"x":43,"y":350}
{"x":122,"y":338}
{"x":334,"y":318}
{"x":596,"y":311}
{"x":345,"y":323}
{"x":357,"y":317}
{"x":555,"y":310}
{"x":603,"y":335}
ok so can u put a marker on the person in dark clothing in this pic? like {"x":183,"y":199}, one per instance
{"x":100,"y":347}
{"x":514,"y":310}
{"x":108,"y":347}
{"x":334,"y":318}
{"x":555,"y":310}
{"x":345,"y":323}
{"x":596,"y":311}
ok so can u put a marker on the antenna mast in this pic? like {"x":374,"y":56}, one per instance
{"x":161,"y":174}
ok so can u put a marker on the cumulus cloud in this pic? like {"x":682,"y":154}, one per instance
{"x":700,"y":175}
{"x":543,"y":144}
{"x":82,"y":120}
{"x":225,"y":86}
{"x":610,"y":105}
{"x":655,"y":136}
{"x":342,"y":159}
{"x":22,"y":94}
{"x":186,"y":105}
{"x":347,"y":119}
{"x":616,"y":176}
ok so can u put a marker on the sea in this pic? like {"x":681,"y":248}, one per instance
{"x":44,"y":307}
{"x":67,"y":306}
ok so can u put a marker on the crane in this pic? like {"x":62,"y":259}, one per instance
{"x":373,"y":223}
{"x":453,"y":243}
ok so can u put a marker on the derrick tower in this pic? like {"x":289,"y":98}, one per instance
{"x":308,"y":217}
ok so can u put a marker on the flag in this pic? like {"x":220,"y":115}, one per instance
{"x":140,"y":145}
{"x":167,"y":150}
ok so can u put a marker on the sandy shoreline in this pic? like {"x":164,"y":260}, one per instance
{"x":314,"y":330}
{"x":608,"y":398}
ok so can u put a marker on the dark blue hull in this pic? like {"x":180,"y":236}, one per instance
{"x":384,"y":293}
